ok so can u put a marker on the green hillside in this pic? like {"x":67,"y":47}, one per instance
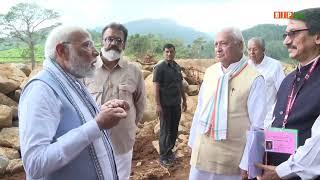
{"x":165,"y":28}
{"x":148,"y":37}
{"x":19,"y":54}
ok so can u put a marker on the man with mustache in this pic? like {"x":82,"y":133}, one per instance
{"x":230,"y":111}
{"x":63,"y":134}
{"x":115,"y":77}
{"x":298,"y":106}
{"x":271,"y":70}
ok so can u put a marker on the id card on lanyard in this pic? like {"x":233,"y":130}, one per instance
{"x":282,"y":140}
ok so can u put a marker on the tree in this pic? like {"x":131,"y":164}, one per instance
{"x":28,"y":23}
{"x":197,"y":47}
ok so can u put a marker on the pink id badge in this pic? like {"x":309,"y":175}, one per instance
{"x":281,"y":140}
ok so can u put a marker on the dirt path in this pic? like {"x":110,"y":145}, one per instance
{"x":145,"y":164}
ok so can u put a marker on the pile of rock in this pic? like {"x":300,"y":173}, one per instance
{"x":12,"y":78}
{"x":193,"y":71}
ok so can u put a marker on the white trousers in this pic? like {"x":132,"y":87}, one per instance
{"x":196,"y":174}
{"x":123,"y":162}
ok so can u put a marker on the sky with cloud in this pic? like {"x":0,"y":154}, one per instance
{"x":202,"y":15}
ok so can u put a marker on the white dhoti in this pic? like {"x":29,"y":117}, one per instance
{"x":123,"y":162}
{"x":196,"y":174}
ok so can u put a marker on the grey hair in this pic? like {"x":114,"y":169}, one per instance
{"x":258,"y":40}
{"x":236,"y":34}
{"x":59,"y":35}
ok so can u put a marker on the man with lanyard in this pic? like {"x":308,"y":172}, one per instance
{"x":297,"y":106}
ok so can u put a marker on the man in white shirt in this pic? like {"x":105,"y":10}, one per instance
{"x":63,"y":135}
{"x":231,"y":108}
{"x":270,"y":69}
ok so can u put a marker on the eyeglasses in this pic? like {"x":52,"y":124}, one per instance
{"x":293,"y":33}
{"x":86,"y":44}
{"x":109,"y":40}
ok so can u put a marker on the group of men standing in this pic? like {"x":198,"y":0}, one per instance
{"x":236,"y":100}
{"x":78,"y":116}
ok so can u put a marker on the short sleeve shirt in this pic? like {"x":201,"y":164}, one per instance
{"x":169,"y":77}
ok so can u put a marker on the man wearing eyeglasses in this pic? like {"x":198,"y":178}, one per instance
{"x":298,"y":107}
{"x":116,"y":78}
{"x":271,"y":70}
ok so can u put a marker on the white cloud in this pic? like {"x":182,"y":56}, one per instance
{"x":203,"y":15}
{"x":242,"y":14}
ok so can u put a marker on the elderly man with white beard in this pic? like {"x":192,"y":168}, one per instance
{"x":117,"y":78}
{"x":63,"y":134}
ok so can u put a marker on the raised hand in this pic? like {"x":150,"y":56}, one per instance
{"x":114,"y":103}
{"x":108,"y":117}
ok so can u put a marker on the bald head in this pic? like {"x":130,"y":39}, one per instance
{"x":256,"y":49}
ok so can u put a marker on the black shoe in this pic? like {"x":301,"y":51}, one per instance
{"x":166,"y":162}
{"x":172,"y":157}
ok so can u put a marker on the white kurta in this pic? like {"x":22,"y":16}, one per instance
{"x":257,"y":113}
{"x":273,"y":74}
{"x":39,"y":113}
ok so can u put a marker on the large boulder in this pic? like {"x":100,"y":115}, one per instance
{"x":15,"y":95}
{"x":14,"y":166}
{"x":7,"y":85}
{"x":149,"y":113}
{"x":150,"y":108}
{"x":9,"y":153}
{"x":5,"y":116}
{"x":197,"y":64}
{"x":5,"y":100}
{"x":10,"y":78}
{"x":194,"y":69}
{"x":149,"y":87}
{"x":23,"y":67}
{"x":193,"y":90}
{"x":4,"y":161}
{"x":192,"y":102}
{"x":146,"y":73}
{"x":32,"y":74}
{"x":9,"y":137}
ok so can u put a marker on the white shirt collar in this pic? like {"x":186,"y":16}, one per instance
{"x":250,"y":61}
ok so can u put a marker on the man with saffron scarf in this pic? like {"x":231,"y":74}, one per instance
{"x":231,"y":108}
{"x":63,"y":134}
